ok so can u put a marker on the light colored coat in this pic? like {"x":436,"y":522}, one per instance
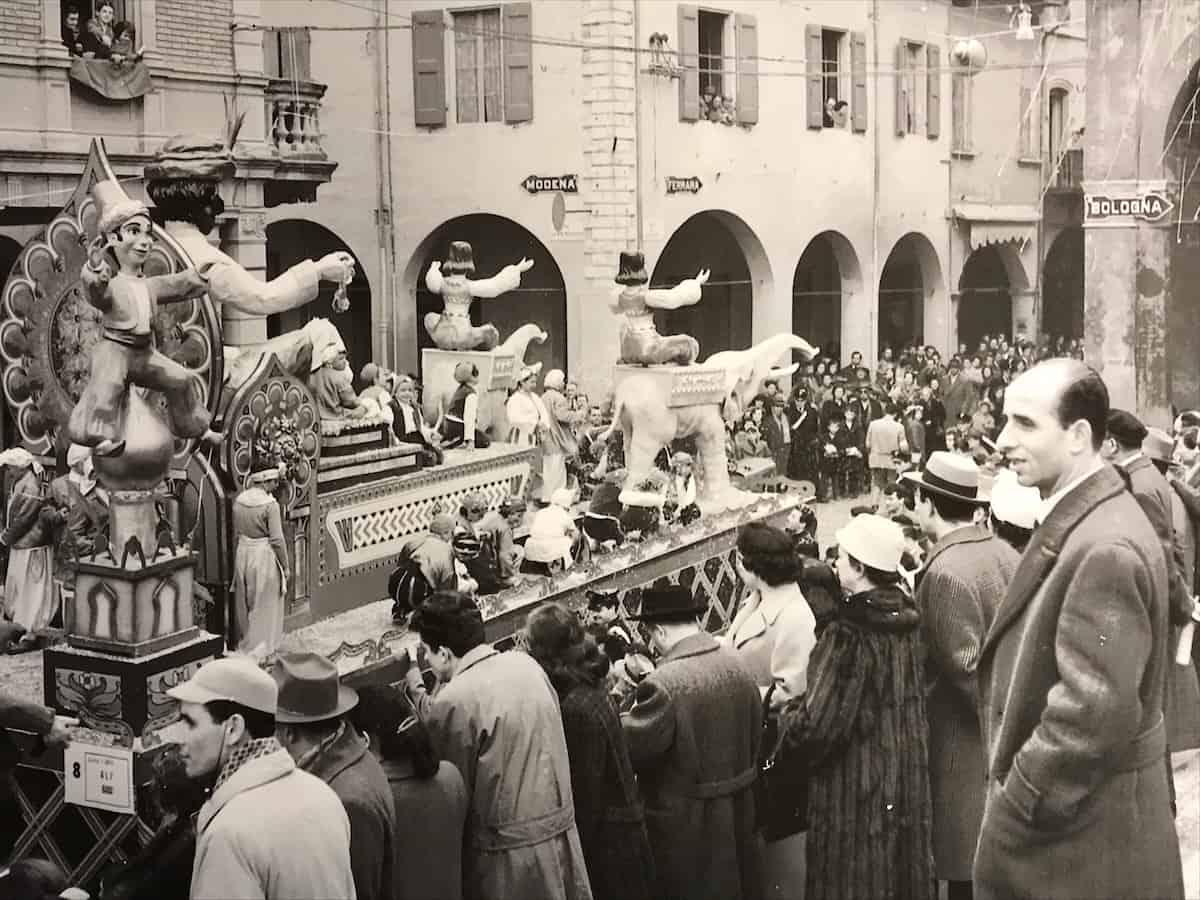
{"x":272,"y":832}
{"x":498,"y":722}
{"x":958,"y":594}
{"x":1072,"y":674}
{"x":885,"y":437}
{"x":773,"y":636}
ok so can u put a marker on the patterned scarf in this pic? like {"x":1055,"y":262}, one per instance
{"x":255,"y":749}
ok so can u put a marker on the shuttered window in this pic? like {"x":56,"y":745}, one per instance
{"x":858,"y":80}
{"x":913,"y":90}
{"x":478,"y":67}
{"x":746,"y":27}
{"x":718,"y":61}
{"x":286,"y":54}
{"x":961,"y":94}
{"x":429,"y":68}
{"x":1030,"y":115}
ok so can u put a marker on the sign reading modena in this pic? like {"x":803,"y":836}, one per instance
{"x":568,"y":184}
{"x":1149,"y":207}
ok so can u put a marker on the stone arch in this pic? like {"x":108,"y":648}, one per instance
{"x":722,"y":242}
{"x":912,"y":292}
{"x":827,"y":279}
{"x":1063,"y":285}
{"x":291,"y":240}
{"x":496,"y":241}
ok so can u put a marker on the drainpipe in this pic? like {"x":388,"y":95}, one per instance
{"x":873,"y":300}
{"x":637,"y":120}
{"x":383,"y":186}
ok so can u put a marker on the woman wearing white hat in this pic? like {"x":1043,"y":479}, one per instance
{"x":861,"y":724}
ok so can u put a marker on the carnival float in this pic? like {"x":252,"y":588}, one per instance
{"x":223,"y":461}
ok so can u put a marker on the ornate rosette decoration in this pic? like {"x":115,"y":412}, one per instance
{"x":48,"y":328}
{"x":273,"y":419}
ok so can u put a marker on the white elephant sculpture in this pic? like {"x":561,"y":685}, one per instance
{"x":648,"y":424}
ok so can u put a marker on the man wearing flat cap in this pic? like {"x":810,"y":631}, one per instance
{"x":958,"y":593}
{"x":312,"y":725}
{"x":693,"y":735}
{"x":269,"y":829}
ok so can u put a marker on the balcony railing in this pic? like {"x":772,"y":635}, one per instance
{"x":1069,"y":175}
{"x":294,"y":118}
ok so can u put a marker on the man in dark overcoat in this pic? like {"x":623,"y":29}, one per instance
{"x":693,"y":734}
{"x":1072,"y":670}
{"x":958,"y":593}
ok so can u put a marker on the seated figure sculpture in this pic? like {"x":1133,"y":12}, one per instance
{"x":126,"y":355}
{"x":641,"y":344}
{"x":451,"y":329}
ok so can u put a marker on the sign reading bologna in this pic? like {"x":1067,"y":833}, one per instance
{"x":690,"y":185}
{"x":568,"y":184}
{"x":1149,"y":207}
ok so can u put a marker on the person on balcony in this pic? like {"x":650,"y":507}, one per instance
{"x":72,"y":34}
{"x":98,"y":40}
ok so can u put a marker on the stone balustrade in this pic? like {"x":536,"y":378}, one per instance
{"x":294,"y":118}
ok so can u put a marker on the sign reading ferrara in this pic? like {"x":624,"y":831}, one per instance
{"x":690,"y":185}
{"x":1150,"y":207}
{"x":568,"y":184}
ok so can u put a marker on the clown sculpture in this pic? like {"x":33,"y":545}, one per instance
{"x":451,"y":329}
{"x":125,"y":355}
{"x":641,"y":344}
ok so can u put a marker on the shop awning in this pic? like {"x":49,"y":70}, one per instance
{"x":998,"y":223}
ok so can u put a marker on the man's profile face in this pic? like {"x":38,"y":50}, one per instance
{"x":1036,"y":445}
{"x":203,"y":740}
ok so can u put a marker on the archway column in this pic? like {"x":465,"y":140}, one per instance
{"x":1024,"y":312}
{"x":245,"y":239}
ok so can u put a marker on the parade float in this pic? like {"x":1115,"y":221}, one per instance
{"x":155,"y":599}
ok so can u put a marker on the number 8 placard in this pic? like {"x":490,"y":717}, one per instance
{"x":99,"y":777}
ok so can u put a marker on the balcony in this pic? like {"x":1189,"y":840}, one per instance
{"x":1069,"y":176}
{"x":293,"y":111}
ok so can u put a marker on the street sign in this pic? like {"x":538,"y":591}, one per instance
{"x":1149,"y":207}
{"x":568,"y":184}
{"x":99,"y":777}
{"x":689,"y":185}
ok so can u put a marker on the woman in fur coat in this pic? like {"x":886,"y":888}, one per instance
{"x":862,"y":727}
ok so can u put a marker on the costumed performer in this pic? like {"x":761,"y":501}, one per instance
{"x":125,"y":355}
{"x":552,"y":535}
{"x":559,"y":442}
{"x":376,"y":397}
{"x":30,"y":598}
{"x":641,"y":344}
{"x":408,"y":422}
{"x":602,"y":521}
{"x":260,"y":564}
{"x":681,"y":491}
{"x":458,"y":423}
{"x":330,"y":382}
{"x":85,"y":505}
{"x":451,"y":329}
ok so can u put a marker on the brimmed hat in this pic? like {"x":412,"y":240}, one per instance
{"x":310,"y":689}
{"x":460,"y":260}
{"x":667,"y":601}
{"x":874,"y":541}
{"x":950,"y":475}
{"x":1158,"y":445}
{"x":1013,"y":502}
{"x":632,"y":269}
{"x":236,"y":679}
{"x":1125,"y":428}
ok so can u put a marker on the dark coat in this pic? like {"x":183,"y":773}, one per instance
{"x":360,"y":783}
{"x":608,"y":814}
{"x":1153,"y":495}
{"x":958,"y":594}
{"x":960,"y":398}
{"x":806,"y":431}
{"x":862,"y":728}
{"x":432,"y":813}
{"x":774,"y":432}
{"x":694,"y":734}
{"x":20,"y":715}
{"x":1072,"y":674}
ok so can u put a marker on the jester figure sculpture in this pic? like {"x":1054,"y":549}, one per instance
{"x":451,"y":329}
{"x":641,"y":344}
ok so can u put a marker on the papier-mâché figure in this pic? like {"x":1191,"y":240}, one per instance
{"x":641,"y":344}
{"x":451,"y":329}
{"x":125,"y":354}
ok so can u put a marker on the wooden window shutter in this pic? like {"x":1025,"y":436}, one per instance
{"x":745,"y":28}
{"x":933,"y":91}
{"x":689,"y":63}
{"x":960,"y":111}
{"x":429,"y":67}
{"x":902,"y":98}
{"x":1027,"y":130}
{"x":518,"y":62}
{"x":858,"y":79}
{"x":294,"y":54}
{"x":814,"y":83}
{"x":271,"y":52}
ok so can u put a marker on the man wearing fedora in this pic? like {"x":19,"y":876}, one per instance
{"x":958,"y":592}
{"x":693,"y":734}
{"x":1072,"y":670}
{"x":312,"y":725}
{"x":269,"y":829}
{"x":496,"y":719}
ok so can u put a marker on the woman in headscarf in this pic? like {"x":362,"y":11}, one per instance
{"x":86,"y":508}
{"x":559,"y":440}
{"x":30,"y":598}
{"x":260,"y":564}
